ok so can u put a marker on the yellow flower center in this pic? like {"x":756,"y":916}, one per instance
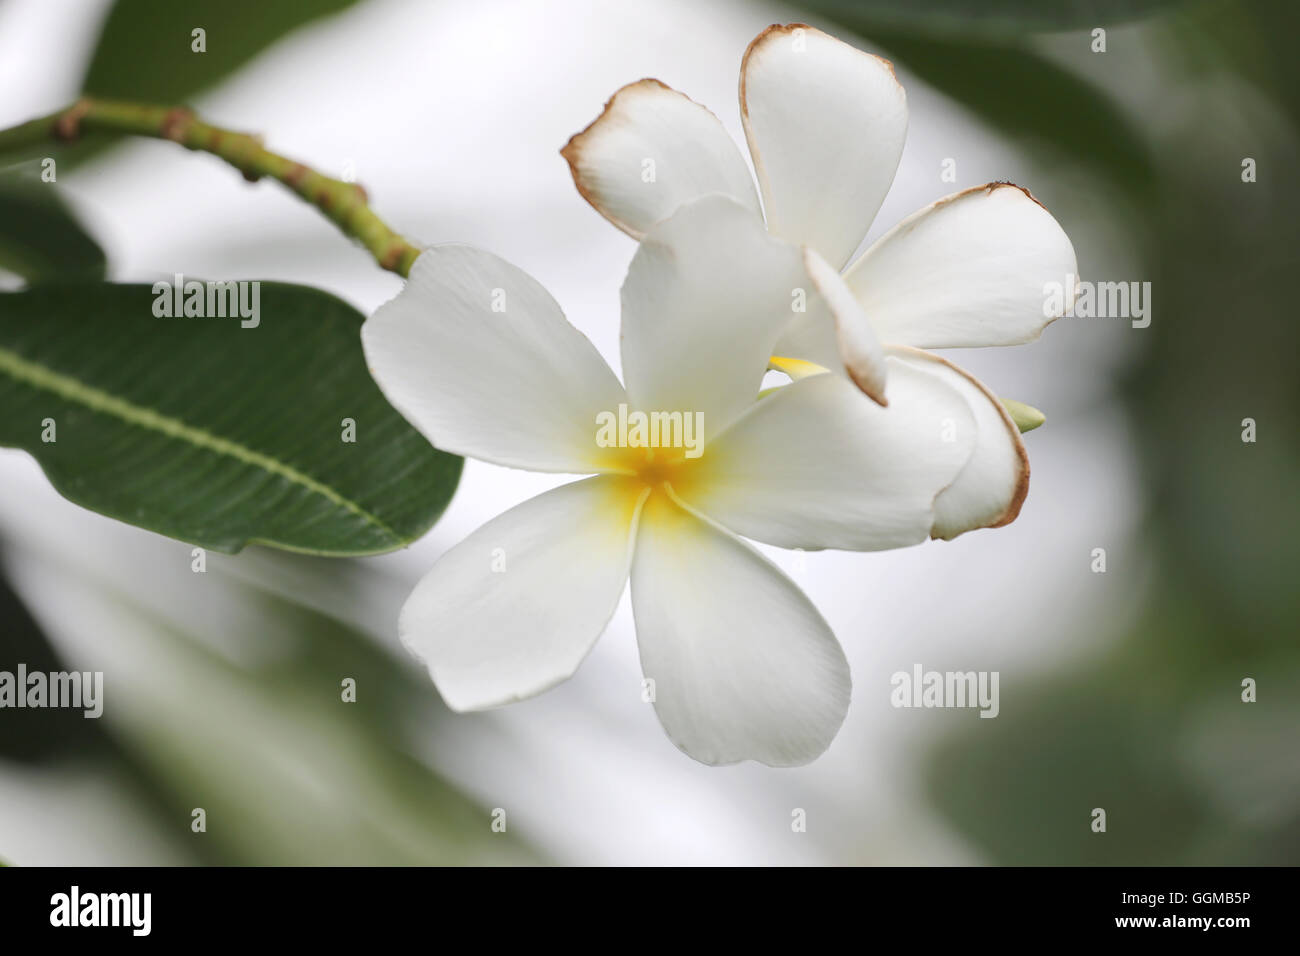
{"x":657,"y":466}
{"x":654,"y":449}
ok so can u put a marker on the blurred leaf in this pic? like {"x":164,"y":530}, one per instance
{"x":39,"y":238}
{"x":289,"y":773}
{"x":991,"y":16}
{"x":1218,"y":536}
{"x":1023,"y":95}
{"x":220,"y":696}
{"x":33,"y":735}
{"x":1023,"y":790}
{"x":216,"y":434}
{"x":1251,"y":37}
{"x":243,"y":712}
{"x":145,"y":53}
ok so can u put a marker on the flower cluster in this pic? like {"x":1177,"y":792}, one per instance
{"x":876,"y":442}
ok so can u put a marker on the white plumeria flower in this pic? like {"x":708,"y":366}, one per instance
{"x":478,"y":356}
{"x":825,"y":124}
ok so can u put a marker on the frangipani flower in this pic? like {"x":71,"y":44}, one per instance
{"x":478,"y":356}
{"x":825,"y":125}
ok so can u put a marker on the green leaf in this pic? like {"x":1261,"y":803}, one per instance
{"x":145,"y":53}
{"x":216,"y":434}
{"x":145,"y":49}
{"x":39,"y":238}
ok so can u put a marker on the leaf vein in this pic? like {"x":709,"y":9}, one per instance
{"x":69,"y":388}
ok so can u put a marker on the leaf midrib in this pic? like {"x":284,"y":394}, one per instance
{"x":97,"y":400}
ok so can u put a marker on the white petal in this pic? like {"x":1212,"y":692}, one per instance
{"x":861,"y":353}
{"x":992,"y":486}
{"x":817,"y":465}
{"x":706,"y":295}
{"x":744,"y":667}
{"x":478,"y":357}
{"x":650,"y":151}
{"x":514,"y":608}
{"x":812,"y":336}
{"x":968,"y":270}
{"x":825,"y":125}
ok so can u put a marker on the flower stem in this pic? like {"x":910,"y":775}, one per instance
{"x":344,"y":204}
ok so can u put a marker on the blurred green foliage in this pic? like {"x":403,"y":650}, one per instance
{"x":1222,"y":517}
{"x":993,"y":68}
{"x":992,"y":18}
{"x":145,"y":52}
{"x":39,"y":237}
{"x":145,"y":48}
{"x":287,"y":772}
{"x":33,"y":736}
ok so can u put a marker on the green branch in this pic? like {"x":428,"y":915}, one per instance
{"x":344,"y":204}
